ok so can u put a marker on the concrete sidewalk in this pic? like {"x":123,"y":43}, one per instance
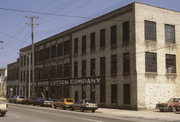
{"x":155,"y":115}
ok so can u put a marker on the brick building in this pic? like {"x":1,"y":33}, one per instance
{"x":128,"y":58}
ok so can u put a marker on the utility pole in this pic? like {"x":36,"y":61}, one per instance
{"x":32,"y":24}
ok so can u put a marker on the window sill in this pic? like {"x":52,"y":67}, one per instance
{"x":151,"y":74}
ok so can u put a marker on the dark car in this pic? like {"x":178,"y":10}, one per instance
{"x":27,"y":101}
{"x":42,"y":101}
{"x":84,"y":104}
{"x":12,"y":99}
{"x":169,"y":106}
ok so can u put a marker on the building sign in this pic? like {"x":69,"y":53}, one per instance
{"x":72,"y":81}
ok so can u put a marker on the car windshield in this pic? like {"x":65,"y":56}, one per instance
{"x":174,"y":100}
{"x":88,"y":101}
{"x":69,"y":101}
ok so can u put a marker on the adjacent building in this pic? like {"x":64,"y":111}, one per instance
{"x":13,"y":79}
{"x":128,"y":58}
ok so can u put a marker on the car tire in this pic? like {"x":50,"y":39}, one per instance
{"x":3,"y":114}
{"x":93,"y":110}
{"x":53,"y":106}
{"x":82,"y":109}
{"x":174,"y":109}
{"x":161,"y":110}
{"x":71,"y":108}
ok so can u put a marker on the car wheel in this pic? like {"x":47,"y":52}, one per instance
{"x":3,"y":114}
{"x":82,"y":109}
{"x":161,"y":110}
{"x":174,"y":109}
{"x":71,"y":108}
{"x":53,"y":106}
{"x":64,"y":108}
{"x":93,"y":110}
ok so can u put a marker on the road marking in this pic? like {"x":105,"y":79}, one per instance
{"x":67,"y":116}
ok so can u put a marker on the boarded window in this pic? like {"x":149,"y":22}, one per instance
{"x":127,"y":94}
{"x":83,"y":45}
{"x":75,"y":46}
{"x":126,"y":33}
{"x":170,"y":33}
{"x":170,"y":63}
{"x":151,"y":62}
{"x":102,"y":38}
{"x":113,"y":37}
{"x":114,"y":93}
{"x":93,"y":43}
{"x":93,"y":67}
{"x":150,"y":30}
{"x":126,"y":63}
{"x":113,"y":65}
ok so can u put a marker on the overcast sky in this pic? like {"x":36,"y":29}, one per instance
{"x":16,"y":34}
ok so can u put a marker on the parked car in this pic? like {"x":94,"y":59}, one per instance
{"x":20,"y":99}
{"x":63,"y":103}
{"x":84,"y":104}
{"x":169,"y":106}
{"x":3,"y":106}
{"x":27,"y":101}
{"x":42,"y":101}
{"x":12,"y":99}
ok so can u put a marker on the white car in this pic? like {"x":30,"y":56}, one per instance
{"x":3,"y":106}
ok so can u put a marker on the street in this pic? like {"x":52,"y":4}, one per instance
{"x":23,"y":113}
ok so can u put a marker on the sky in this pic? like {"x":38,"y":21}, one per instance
{"x":16,"y":34}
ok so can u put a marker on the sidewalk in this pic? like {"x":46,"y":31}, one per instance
{"x":156,"y":115}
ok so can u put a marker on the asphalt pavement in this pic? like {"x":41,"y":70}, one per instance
{"x":24,"y":113}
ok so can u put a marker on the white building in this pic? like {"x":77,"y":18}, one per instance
{"x":3,"y":79}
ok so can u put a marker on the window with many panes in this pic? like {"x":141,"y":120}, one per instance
{"x":60,"y":49}
{"x":114,"y":65}
{"x":113,"y":37}
{"x":102,"y":38}
{"x":93,"y":67}
{"x":83,"y":45}
{"x":126,"y":63}
{"x":150,"y":62}
{"x":150,"y":30}
{"x":125,"y":33}
{"x":53,"y":71}
{"x":170,"y":63}
{"x":67,"y":70}
{"x":93,"y":43}
{"x":169,"y":33}
{"x":67,"y":48}
{"x":75,"y":46}
{"x":59,"y":71}
{"x":53,"y":51}
{"x":75,"y":69}
{"x":83,"y":68}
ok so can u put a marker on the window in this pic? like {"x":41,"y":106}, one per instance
{"x":150,"y":30}
{"x":47,"y":53}
{"x":114,"y":93}
{"x":53,"y":71}
{"x":75,"y":69}
{"x":53,"y":51}
{"x":113,"y":37}
{"x":59,"y":71}
{"x":102,"y":38}
{"x":93,"y":43}
{"x":60,"y":49}
{"x":170,"y":33}
{"x":126,"y":33}
{"x":127,"y":94}
{"x":67,"y":47}
{"x":170,"y":63}
{"x":41,"y":55}
{"x":113,"y":65}
{"x":67,"y":70}
{"x":151,"y":62}
{"x":126,"y":63}
{"x":102,"y":93}
{"x":83,"y":68}
{"x":102,"y":66}
{"x":93,"y":67}
{"x":83,"y":45}
{"x":76,"y":47}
